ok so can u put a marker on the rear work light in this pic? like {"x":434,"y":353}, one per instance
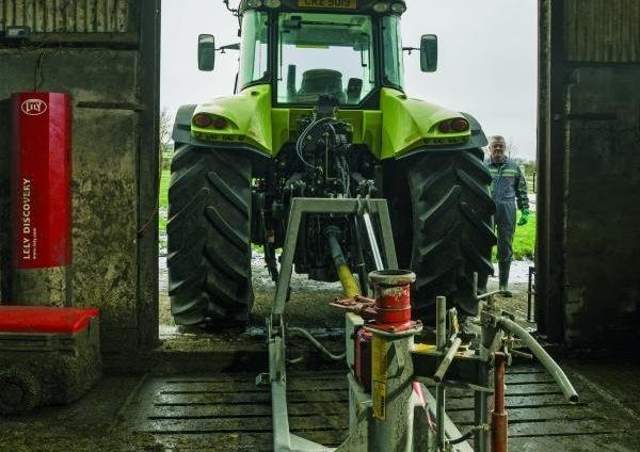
{"x":456,"y":125}
{"x":220,"y":123}
{"x":202,"y":120}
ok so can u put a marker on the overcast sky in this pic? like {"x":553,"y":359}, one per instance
{"x":487,"y":59}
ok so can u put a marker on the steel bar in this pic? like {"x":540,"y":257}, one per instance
{"x":481,"y":407}
{"x":489,"y":339}
{"x":373,"y":242}
{"x":441,"y":342}
{"x":447,"y":360}
{"x":361,"y":266}
{"x":316,"y":343}
{"x":280,"y":416}
{"x":291,"y":240}
{"x":387,"y":232}
{"x":441,"y":325}
{"x":545,"y":359}
{"x":499,"y":419}
{"x":450,"y":428}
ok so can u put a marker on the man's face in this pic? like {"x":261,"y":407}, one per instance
{"x":497,"y":149}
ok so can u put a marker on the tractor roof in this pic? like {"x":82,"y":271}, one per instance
{"x":396,"y":7}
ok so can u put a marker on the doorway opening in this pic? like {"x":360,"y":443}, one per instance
{"x":492,"y":76}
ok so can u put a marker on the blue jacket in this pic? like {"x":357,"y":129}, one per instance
{"x":509,"y":184}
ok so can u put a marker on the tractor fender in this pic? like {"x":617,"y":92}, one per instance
{"x":182,"y":126}
{"x":182,"y":134}
{"x":247,"y":116}
{"x":411,"y":125}
{"x":478,"y":138}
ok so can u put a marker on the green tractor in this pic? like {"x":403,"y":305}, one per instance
{"x":320,"y":111}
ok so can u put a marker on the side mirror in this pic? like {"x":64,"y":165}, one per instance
{"x":429,"y":53}
{"x":206,"y":52}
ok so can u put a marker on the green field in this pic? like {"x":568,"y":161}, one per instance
{"x":523,"y":242}
{"x":164,"y":198}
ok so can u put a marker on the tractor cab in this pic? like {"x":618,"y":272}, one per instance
{"x":344,"y":49}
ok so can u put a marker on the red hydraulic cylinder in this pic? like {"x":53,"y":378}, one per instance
{"x":499,"y":419}
{"x":41,"y":180}
{"x":393,"y":298}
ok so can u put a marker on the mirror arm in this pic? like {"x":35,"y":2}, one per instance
{"x":233,"y":11}
{"x":409,"y":49}
{"x":228,"y":47}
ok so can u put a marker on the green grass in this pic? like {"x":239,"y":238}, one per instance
{"x":524,"y":242}
{"x":164,"y":197}
{"x":164,"y":189}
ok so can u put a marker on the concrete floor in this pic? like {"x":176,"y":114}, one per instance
{"x":226,"y":412}
{"x":198,"y":394}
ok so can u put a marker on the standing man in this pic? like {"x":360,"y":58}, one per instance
{"x":507,"y":188}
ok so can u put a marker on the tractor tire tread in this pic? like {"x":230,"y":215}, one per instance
{"x":450,"y":227}
{"x":209,"y":230}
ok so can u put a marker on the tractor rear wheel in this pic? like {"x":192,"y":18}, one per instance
{"x":441,"y":215}
{"x":209,"y":233}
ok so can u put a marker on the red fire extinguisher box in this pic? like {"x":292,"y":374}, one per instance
{"x":41,"y":180}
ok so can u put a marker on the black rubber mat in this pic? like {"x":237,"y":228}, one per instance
{"x":230,"y":413}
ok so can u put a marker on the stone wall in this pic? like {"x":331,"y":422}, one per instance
{"x":113,"y":81}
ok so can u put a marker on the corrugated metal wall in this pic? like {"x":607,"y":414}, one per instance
{"x":67,"y":16}
{"x":603,"y":31}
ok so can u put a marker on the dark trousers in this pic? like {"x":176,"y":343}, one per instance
{"x":504,"y":223}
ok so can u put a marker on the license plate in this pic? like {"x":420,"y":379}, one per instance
{"x":328,"y":4}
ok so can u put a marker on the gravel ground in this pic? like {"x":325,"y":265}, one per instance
{"x":308,"y":305}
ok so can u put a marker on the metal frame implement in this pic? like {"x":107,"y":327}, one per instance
{"x":283,"y":440}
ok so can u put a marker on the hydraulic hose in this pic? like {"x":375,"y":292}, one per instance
{"x":303,"y":136}
{"x":349,"y":283}
{"x":314,"y":341}
{"x":547,"y":361}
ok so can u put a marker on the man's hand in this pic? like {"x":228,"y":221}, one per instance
{"x":524,"y":217}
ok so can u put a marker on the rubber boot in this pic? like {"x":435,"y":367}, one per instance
{"x":504,"y":268}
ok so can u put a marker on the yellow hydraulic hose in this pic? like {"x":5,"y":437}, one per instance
{"x":349,"y":283}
